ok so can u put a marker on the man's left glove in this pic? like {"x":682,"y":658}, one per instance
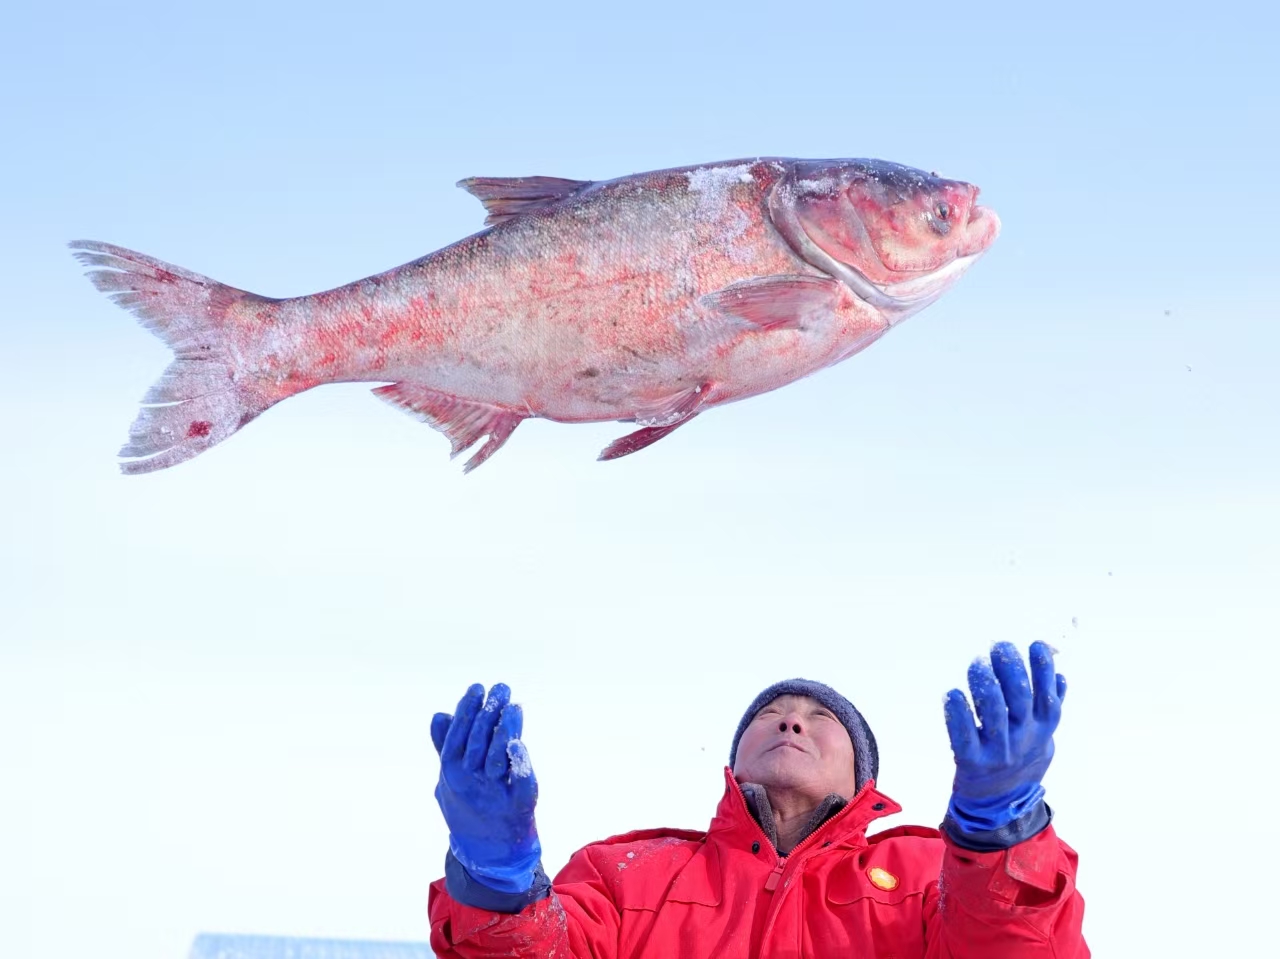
{"x":997,"y":800}
{"x":487,"y":789}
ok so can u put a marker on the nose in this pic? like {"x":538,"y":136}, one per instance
{"x":791,"y":722}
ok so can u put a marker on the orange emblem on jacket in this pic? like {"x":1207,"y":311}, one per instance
{"x":882,"y":879}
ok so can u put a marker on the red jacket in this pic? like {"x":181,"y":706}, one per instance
{"x":906,"y":893}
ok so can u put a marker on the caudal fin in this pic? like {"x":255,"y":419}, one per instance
{"x":199,"y":400}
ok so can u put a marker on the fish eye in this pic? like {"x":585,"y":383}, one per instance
{"x":943,"y":210}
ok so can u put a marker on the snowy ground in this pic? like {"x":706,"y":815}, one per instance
{"x":211,"y":946}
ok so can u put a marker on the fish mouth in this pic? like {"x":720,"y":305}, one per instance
{"x":983,"y":227}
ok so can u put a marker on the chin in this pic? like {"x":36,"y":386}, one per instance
{"x":782,"y":771}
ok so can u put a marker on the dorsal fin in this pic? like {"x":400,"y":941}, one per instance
{"x":507,"y":197}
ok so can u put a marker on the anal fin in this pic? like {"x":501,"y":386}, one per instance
{"x":464,"y":422}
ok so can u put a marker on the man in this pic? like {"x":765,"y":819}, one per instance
{"x":786,"y":868}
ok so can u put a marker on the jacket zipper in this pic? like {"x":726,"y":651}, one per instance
{"x":772,"y":881}
{"x":775,"y":877}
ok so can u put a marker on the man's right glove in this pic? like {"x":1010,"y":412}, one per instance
{"x":487,"y":789}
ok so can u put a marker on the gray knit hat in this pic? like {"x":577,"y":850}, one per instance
{"x":866,"y":756}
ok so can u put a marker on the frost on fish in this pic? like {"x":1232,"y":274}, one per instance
{"x":720,"y":220}
{"x":648,"y":299}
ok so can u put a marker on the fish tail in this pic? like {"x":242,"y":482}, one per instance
{"x":200,"y":399}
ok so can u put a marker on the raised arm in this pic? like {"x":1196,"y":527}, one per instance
{"x":1007,"y":885}
{"x":495,"y":899}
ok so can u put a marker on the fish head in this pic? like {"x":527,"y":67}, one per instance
{"x":897,"y":236}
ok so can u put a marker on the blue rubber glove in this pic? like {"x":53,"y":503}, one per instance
{"x":996,"y":799}
{"x":487,"y":789}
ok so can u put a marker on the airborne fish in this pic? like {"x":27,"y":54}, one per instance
{"x":645,"y":299}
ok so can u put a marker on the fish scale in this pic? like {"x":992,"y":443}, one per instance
{"x":647,"y":299}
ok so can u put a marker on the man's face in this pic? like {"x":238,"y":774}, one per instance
{"x":796,"y":743}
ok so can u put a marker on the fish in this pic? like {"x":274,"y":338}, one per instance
{"x":646,"y":299}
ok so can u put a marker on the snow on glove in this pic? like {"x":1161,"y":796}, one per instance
{"x":487,"y":789}
{"x":1000,"y":764}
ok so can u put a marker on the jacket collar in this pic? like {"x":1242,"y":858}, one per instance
{"x":733,"y":823}
{"x":701,"y":880}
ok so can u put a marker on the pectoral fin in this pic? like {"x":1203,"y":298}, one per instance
{"x":784,"y":301}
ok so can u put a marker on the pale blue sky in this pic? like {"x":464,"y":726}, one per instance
{"x":216,"y":681}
